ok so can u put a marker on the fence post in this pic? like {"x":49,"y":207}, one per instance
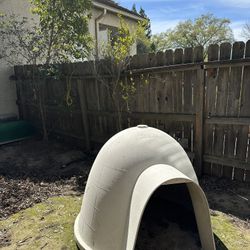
{"x":19,"y":92}
{"x":84,"y":112}
{"x":199,"y":118}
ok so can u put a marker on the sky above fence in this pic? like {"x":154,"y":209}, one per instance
{"x":166,"y":14}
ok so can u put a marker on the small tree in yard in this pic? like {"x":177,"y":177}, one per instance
{"x":64,"y":26}
{"x":116,"y":54}
{"x":60,"y":35}
{"x":246,"y":31}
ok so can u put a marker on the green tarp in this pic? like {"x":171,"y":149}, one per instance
{"x":15,"y":130}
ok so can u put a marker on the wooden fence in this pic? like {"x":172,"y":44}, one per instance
{"x":204,"y":105}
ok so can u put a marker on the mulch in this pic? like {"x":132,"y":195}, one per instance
{"x":18,"y":194}
{"x":32,"y":171}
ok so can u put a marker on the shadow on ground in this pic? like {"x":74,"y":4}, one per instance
{"x":169,"y":222}
{"x":219,"y":244}
{"x":40,"y":161}
{"x":230,"y":197}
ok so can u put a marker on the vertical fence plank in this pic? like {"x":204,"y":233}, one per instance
{"x":160,"y":58}
{"x":84,"y":110}
{"x":168,"y":97}
{"x":198,"y":95}
{"x":222,"y":81}
{"x":242,"y":140}
{"x":189,"y":78}
{"x":245,"y":100}
{"x":245,"y":107}
{"x":142,"y":101}
{"x":151,"y":60}
{"x":233,"y":107}
{"x":188,"y":81}
{"x":20,"y":94}
{"x":175,"y":128}
{"x":179,"y":81}
{"x":211,"y":78}
{"x":200,"y":91}
{"x":235,"y":81}
{"x":247,"y":171}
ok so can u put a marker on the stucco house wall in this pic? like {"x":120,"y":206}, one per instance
{"x":8,"y":97}
{"x":110,"y":19}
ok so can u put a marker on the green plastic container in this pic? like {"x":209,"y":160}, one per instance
{"x":15,"y":131}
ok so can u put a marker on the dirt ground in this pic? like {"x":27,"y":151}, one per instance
{"x":32,"y":171}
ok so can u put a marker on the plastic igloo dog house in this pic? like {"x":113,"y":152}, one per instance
{"x":127,"y":171}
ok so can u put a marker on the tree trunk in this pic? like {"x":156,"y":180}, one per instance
{"x":51,"y":36}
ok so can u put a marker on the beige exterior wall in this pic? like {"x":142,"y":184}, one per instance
{"x":7,"y":92}
{"x":8,"y":88}
{"x":110,"y":19}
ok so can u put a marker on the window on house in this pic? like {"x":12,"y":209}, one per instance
{"x":109,"y":31}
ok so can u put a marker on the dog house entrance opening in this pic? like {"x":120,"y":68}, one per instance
{"x":168,"y":221}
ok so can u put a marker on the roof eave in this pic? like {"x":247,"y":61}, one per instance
{"x":118,"y":11}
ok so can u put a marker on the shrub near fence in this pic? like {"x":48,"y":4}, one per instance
{"x":204,"y":105}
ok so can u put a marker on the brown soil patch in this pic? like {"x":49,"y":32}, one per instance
{"x":32,"y":171}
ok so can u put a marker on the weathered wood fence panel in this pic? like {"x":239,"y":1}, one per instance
{"x":227,"y":113}
{"x":204,"y":105}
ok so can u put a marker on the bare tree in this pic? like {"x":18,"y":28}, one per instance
{"x":246,"y":30}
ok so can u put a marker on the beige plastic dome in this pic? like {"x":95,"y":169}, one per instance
{"x":127,"y":171}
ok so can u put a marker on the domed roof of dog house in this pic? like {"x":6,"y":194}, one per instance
{"x":118,"y":172}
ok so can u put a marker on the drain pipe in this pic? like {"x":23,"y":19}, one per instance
{"x":97,"y":20}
